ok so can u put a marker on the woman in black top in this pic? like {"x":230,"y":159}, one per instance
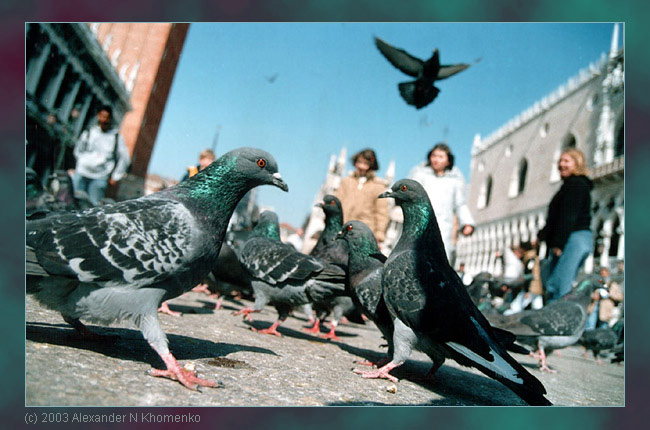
{"x":567,"y":232}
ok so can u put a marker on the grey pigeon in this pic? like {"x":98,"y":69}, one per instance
{"x":430,"y":306}
{"x":557,"y":325}
{"x":421,"y":91}
{"x":120,"y":261}
{"x":365,"y":270}
{"x":282,"y":276}
{"x":40,"y":202}
{"x":332,"y":251}
{"x":597,"y":340}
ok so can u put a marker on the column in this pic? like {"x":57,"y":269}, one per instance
{"x":35,"y":69}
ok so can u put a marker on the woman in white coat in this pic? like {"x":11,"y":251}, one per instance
{"x":445,"y":186}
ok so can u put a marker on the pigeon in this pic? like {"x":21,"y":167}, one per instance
{"x":282,"y":276}
{"x":557,"y":325}
{"x":120,"y":261}
{"x":332,"y":251}
{"x":431,"y":309}
{"x":40,"y":203}
{"x":597,"y":340}
{"x":421,"y":91}
{"x":365,"y":270}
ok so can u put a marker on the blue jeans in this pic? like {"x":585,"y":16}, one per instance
{"x":95,"y":188}
{"x":565,"y":267}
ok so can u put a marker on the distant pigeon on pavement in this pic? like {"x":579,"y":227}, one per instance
{"x":282,"y":276}
{"x":119,"y":262}
{"x":597,"y":340}
{"x":365,"y":270}
{"x":421,"y":91}
{"x":330,"y":250}
{"x":557,"y":325}
{"x":431,"y":308}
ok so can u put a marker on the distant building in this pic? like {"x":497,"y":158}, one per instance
{"x":514,"y":171}
{"x":67,"y":78}
{"x":145,"y":56}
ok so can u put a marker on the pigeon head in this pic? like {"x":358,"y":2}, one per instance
{"x":419,"y":216}
{"x":357,"y":234}
{"x":361,"y":243}
{"x":257,"y":166}
{"x":331,"y":205}
{"x":406,"y":191}
{"x":268,"y":226}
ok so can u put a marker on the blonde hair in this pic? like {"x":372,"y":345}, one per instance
{"x":207,"y":153}
{"x":579,"y":158}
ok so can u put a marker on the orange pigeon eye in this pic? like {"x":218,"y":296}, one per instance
{"x":403,"y":188}
{"x":349,"y":227}
{"x":261,"y":162}
{"x":333,"y":203}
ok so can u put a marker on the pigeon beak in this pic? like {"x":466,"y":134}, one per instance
{"x":385,"y":195}
{"x":319,"y":205}
{"x":278,"y":182}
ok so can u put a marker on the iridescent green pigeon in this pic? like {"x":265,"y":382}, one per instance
{"x":120,"y":261}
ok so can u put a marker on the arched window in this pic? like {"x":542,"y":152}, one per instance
{"x":518,"y":179}
{"x":569,"y":141}
{"x":484,"y":193}
{"x":619,"y":145}
{"x":523,"y":170}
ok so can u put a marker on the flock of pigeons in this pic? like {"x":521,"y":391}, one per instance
{"x":121,"y":261}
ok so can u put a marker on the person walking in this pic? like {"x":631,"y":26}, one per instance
{"x":102,"y":157}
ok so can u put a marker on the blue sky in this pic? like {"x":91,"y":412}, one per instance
{"x":333,"y":88}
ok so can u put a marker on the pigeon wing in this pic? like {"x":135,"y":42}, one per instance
{"x":561,"y":318}
{"x":450,"y":70}
{"x":137,"y":242}
{"x":399,"y":58}
{"x":275,"y":262}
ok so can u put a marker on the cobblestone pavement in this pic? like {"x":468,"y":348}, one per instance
{"x":299,"y":369}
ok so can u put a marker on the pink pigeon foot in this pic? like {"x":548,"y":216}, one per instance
{"x":217,"y":305}
{"x":164,"y":309}
{"x":331,"y":334}
{"x":543,"y":367}
{"x":246,"y":312}
{"x":202,"y":288}
{"x":313,"y":329}
{"x":271,"y":330}
{"x":186,"y":377}
{"x":381,"y":373}
{"x":379,"y":363}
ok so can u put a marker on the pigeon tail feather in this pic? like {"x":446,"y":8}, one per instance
{"x":416,"y":94}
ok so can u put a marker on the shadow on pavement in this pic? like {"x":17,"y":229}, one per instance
{"x":130,"y":345}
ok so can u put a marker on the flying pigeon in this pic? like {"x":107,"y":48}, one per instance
{"x":430,"y":306}
{"x":332,"y":251}
{"x":120,"y":261}
{"x":421,"y":91}
{"x":283,"y":276}
{"x":557,"y":325}
{"x":365,"y":270}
